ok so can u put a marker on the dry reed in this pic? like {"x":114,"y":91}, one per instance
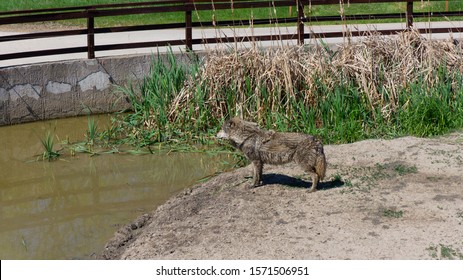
{"x":379,"y":67}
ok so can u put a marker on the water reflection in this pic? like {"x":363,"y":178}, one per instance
{"x":69,"y":208}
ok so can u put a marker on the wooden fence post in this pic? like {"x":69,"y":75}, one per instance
{"x":90,"y":34}
{"x":409,"y":14}
{"x":300,"y":23}
{"x":188,"y":26}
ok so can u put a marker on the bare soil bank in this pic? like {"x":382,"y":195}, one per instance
{"x":382,"y":199}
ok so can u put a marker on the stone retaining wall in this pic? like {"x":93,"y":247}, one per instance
{"x":69,"y":88}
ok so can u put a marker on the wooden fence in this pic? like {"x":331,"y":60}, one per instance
{"x":89,"y":13}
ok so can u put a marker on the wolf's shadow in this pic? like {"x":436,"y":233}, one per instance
{"x":273,"y":178}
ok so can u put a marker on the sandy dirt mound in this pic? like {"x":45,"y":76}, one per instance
{"x":394,"y":199}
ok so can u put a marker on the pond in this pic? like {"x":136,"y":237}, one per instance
{"x":69,"y":208}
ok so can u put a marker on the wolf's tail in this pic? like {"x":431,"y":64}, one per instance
{"x":320,"y":165}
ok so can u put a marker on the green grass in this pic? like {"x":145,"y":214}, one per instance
{"x":48,"y":146}
{"x":404,"y":169}
{"x":151,"y":102}
{"x":383,"y":8}
{"x":236,"y":14}
{"x":430,"y":111}
{"x":12,"y":5}
{"x":169,"y":17}
{"x":92,"y":131}
{"x":444,"y":252}
{"x":390,"y":213}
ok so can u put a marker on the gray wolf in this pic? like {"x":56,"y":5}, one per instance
{"x":269,"y":147}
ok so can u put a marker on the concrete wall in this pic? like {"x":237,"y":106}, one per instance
{"x":69,"y":88}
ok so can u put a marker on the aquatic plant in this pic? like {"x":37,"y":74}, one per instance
{"x":92,"y":132}
{"x":48,"y":145}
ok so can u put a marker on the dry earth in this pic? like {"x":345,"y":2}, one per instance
{"x":382,"y":199}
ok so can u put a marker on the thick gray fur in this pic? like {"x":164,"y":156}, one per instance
{"x":269,"y":147}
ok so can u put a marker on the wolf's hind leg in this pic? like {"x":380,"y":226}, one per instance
{"x":315,"y":180}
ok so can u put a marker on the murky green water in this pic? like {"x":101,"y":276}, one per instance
{"x":69,"y":208}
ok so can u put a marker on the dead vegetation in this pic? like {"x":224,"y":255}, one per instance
{"x":376,"y":87}
{"x":380,"y":67}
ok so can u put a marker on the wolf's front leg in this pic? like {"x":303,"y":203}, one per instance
{"x":257,"y":176}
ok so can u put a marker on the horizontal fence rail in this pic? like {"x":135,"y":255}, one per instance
{"x":187,"y":7}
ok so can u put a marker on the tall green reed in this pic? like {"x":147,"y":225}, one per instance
{"x":177,"y":103}
{"x":151,"y":101}
{"x":434,"y":110}
{"x":91,"y":134}
{"x":48,"y":146}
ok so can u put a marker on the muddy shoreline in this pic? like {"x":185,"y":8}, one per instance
{"x":382,"y":199}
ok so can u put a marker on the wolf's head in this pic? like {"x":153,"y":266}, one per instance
{"x":237,"y":130}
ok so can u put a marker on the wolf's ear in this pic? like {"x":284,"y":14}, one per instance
{"x":231,"y":123}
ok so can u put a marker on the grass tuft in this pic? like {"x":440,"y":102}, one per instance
{"x":92,"y":132}
{"x":393,"y":213}
{"x":48,"y":146}
{"x":443,"y":251}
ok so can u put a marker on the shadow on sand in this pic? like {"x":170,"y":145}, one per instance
{"x":273,"y":178}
